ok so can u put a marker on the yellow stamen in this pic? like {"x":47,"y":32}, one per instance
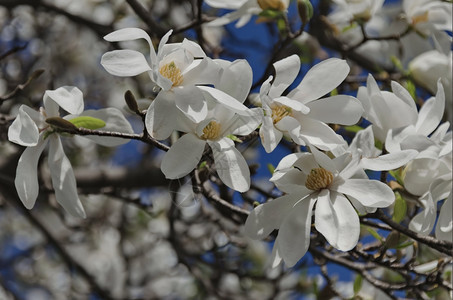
{"x":211,"y":131}
{"x":420,"y":18}
{"x":272,"y":4}
{"x":279,"y":112}
{"x":318,"y":179}
{"x":172,"y":72}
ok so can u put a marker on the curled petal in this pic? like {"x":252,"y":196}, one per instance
{"x":70,"y":98}
{"x":23,"y":130}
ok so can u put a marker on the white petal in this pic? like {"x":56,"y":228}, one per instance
{"x":125,"y":63}
{"x":127,"y":34}
{"x":190,"y":100}
{"x":286,"y":71}
{"x":114,"y":122}
{"x":183,"y":156}
{"x":336,"y":220}
{"x":230,"y":165}
{"x":293,"y":104}
{"x":266,"y":217}
{"x":404,"y":95}
{"x":320,"y":80}
{"x":226,"y":100}
{"x":323,"y":160}
{"x":341,"y":109}
{"x":293,"y":237}
{"x":26,"y":181}
{"x":370,"y":193}
{"x":431,"y":112}
{"x":445,"y":223}
{"x":424,"y":221}
{"x":292,"y":127}
{"x":389,"y":161}
{"x":364,"y":140}
{"x":63,"y":179}
{"x":420,"y":173}
{"x":236,"y":79}
{"x":69,"y":98}
{"x":244,"y":125}
{"x":319,"y":134}
{"x":270,"y":136}
{"x":23,"y":130}
{"x":162,"y":116}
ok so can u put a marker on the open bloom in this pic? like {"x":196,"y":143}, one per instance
{"x":244,"y":10}
{"x":185,"y":154}
{"x":310,"y":178}
{"x":347,"y":10}
{"x":302,"y":115}
{"x":179,"y":69}
{"x":426,"y":15}
{"x":30,"y":129}
{"x":386,"y":110}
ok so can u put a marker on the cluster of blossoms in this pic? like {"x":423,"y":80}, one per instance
{"x":203,"y":99}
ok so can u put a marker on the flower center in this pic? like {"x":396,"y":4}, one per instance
{"x":279,"y":112}
{"x":211,"y":131}
{"x":420,"y":18}
{"x":319,"y":178}
{"x":271,"y":4}
{"x":172,"y":72}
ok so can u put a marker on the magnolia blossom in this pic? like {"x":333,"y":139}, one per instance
{"x":244,"y":10}
{"x":428,"y":67}
{"x":347,"y":10}
{"x":178,"y":69}
{"x":428,"y":14}
{"x":386,"y":110}
{"x":424,"y":221}
{"x":300,"y":115}
{"x":31,"y":129}
{"x":310,"y":178}
{"x":363,"y":145}
{"x":185,"y":154}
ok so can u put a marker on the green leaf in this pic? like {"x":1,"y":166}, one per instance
{"x":374,"y":233}
{"x":358,"y":283}
{"x":87,"y":122}
{"x":410,"y":85}
{"x":397,"y":63}
{"x":202,"y":165}
{"x":334,"y":92}
{"x":399,"y":209}
{"x":404,"y":245}
{"x":271,"y":168}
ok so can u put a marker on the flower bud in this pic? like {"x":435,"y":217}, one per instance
{"x":61,"y":123}
{"x":305,"y":10}
{"x":131,"y":102}
{"x":272,"y":4}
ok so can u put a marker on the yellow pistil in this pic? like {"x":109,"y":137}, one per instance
{"x":279,"y":112}
{"x":172,"y":72}
{"x":211,"y":131}
{"x":272,"y":4}
{"x":318,"y":179}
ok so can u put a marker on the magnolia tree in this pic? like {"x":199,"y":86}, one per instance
{"x":245,"y":149}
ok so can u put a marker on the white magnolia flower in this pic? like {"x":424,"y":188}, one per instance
{"x":424,"y":221}
{"x":30,"y":129}
{"x":347,"y":10}
{"x":185,"y":154}
{"x":428,"y":14}
{"x":363,"y":145}
{"x":428,"y":67}
{"x":308,"y":178}
{"x":300,"y":115}
{"x":178,"y":69}
{"x":244,"y":10}
{"x":386,"y":110}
